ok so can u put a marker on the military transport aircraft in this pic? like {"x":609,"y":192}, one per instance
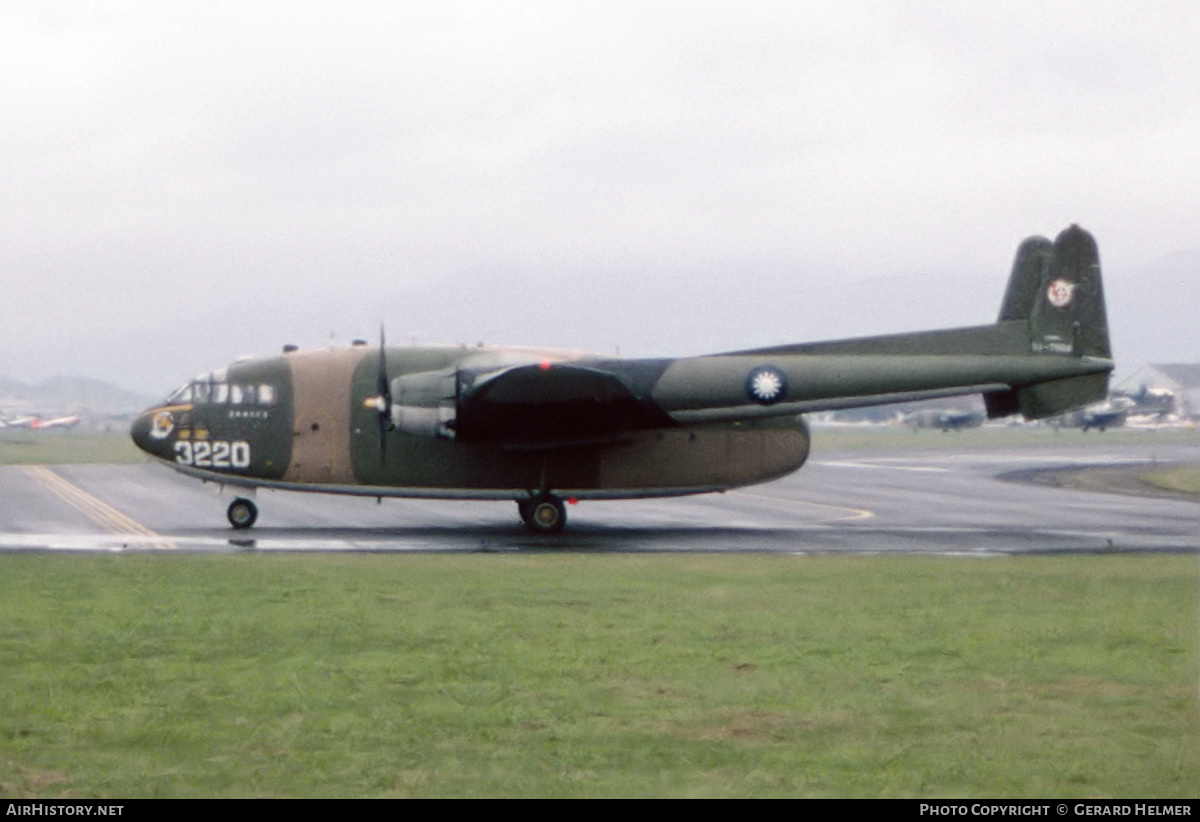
{"x":945,"y":419}
{"x":1100,"y":416}
{"x":540,"y":427}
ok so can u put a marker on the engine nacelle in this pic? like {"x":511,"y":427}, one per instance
{"x":426,"y":404}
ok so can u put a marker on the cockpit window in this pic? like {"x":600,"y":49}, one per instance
{"x":260,"y":394}
{"x":214,"y":392}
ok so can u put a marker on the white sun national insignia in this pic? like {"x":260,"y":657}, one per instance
{"x":1059,"y":293}
{"x":766,"y":385}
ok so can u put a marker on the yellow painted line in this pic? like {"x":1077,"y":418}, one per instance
{"x":99,"y":512}
{"x":851,"y":513}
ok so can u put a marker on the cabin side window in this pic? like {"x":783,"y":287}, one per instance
{"x":249,"y":394}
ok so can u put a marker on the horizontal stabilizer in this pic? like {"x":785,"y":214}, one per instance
{"x":1048,"y":399}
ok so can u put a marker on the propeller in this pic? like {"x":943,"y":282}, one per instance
{"x":381,"y":403}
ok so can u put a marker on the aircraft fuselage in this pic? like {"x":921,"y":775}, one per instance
{"x":303,"y":421}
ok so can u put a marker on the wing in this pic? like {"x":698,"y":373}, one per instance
{"x":550,"y":405}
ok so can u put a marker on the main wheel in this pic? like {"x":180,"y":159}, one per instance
{"x":545,"y":514}
{"x":242,"y":513}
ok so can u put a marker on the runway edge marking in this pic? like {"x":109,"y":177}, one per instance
{"x":97,"y":511}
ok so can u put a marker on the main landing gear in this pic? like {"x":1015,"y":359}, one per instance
{"x":242,"y":513}
{"x":544,"y":514}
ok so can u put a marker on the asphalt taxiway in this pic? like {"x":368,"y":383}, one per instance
{"x":919,"y":500}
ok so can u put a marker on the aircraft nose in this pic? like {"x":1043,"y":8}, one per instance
{"x":151,"y":431}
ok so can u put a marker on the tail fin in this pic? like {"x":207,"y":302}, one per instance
{"x":1029,"y":275}
{"x":1056,"y":290}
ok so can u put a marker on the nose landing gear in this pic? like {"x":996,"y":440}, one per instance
{"x":242,"y":513}
{"x":543,"y":514}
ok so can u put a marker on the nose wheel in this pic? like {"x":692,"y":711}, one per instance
{"x":543,"y":515}
{"x":242,"y":513}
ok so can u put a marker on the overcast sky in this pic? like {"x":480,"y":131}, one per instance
{"x":187,"y":182}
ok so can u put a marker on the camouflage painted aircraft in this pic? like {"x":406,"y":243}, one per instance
{"x":945,"y":419}
{"x":540,"y":427}
{"x":1101,"y":416}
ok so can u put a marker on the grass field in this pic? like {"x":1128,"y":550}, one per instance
{"x":1184,"y":479}
{"x":56,"y":447}
{"x":585,"y":675}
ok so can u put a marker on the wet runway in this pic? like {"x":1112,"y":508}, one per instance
{"x":919,"y":500}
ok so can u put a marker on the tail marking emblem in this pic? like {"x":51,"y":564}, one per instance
{"x":1059,"y":293}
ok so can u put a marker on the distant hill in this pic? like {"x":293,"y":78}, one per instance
{"x":59,"y":396}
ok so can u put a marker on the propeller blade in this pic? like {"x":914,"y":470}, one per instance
{"x":383,"y":392}
{"x":381,"y":381}
{"x":382,"y":441}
